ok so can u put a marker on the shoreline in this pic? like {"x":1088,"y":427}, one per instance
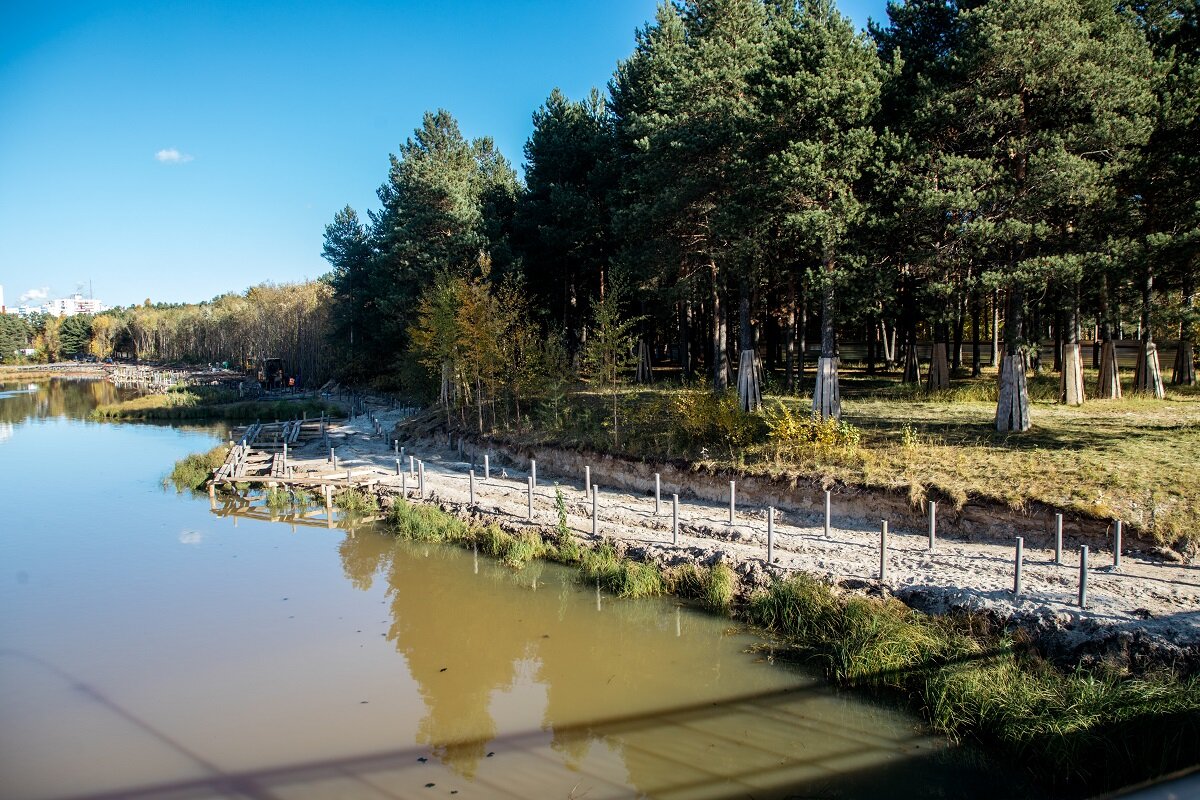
{"x":1143,"y":616}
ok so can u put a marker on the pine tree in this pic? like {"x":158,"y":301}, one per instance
{"x":1058,"y":94}
{"x":818,"y":91}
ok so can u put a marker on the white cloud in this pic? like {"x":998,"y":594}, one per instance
{"x":36,"y":294}
{"x":171,"y":156}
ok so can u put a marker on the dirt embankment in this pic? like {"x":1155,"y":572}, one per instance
{"x":1144,"y":613}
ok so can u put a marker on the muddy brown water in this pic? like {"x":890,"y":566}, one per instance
{"x":151,"y":648}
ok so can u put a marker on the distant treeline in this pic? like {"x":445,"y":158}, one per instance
{"x":288,"y":321}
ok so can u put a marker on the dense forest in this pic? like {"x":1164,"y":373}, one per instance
{"x":763,"y":190}
{"x":760,"y":178}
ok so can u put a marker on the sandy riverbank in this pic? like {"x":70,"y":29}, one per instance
{"x":1145,"y":612}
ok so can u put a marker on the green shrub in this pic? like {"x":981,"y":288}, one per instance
{"x":795,"y":436}
{"x":193,"y":472}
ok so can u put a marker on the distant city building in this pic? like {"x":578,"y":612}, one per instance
{"x":75,"y":304}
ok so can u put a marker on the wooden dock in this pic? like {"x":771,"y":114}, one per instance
{"x":260,"y":451}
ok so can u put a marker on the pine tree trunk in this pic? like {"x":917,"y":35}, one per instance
{"x":790,"y":338}
{"x":720,"y":364}
{"x":1147,"y":377}
{"x":939,"y":371}
{"x":1184,"y":370}
{"x":976,"y":367}
{"x":912,"y":365}
{"x":685,"y":334}
{"x":749,"y":382}
{"x":745,"y":332}
{"x":827,"y":401}
{"x":956,"y":352}
{"x":1109,"y":385}
{"x":1071,"y":390}
{"x":995,"y":328}
{"x":872,"y":354}
{"x":1012,"y":408}
{"x":802,"y":352}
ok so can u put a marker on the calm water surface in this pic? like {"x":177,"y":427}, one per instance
{"x":152,"y":648}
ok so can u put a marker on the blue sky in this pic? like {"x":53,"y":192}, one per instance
{"x":179,"y":150}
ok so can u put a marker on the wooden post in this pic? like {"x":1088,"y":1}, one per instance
{"x":827,"y":514}
{"x":732,"y":500}
{"x":771,"y":535}
{"x":657,"y":494}
{"x":1083,"y":573}
{"x":883,"y":531}
{"x":1117,"y":546}
{"x":1017,"y":571}
{"x":674,"y":519}
{"x":932,"y":524}
{"x":1058,"y":538}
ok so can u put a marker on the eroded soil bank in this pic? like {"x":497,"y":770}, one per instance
{"x":1144,"y":614}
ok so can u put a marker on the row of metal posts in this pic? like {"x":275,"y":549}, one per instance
{"x":593,"y":491}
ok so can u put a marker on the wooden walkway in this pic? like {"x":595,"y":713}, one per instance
{"x":260,"y":453}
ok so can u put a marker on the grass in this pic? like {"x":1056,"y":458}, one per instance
{"x":356,"y":502}
{"x":1135,"y":459}
{"x":1083,"y":731}
{"x":192,"y":472}
{"x":206,"y":402}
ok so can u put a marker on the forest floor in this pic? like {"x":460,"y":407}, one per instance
{"x":1146,"y":611}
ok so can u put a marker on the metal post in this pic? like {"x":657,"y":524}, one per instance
{"x":285,"y":453}
{"x":1058,"y":538}
{"x":330,"y":455}
{"x":595,"y":523}
{"x":335,"y":462}
{"x":883,"y":551}
{"x":587,"y":481}
{"x":1017,"y":573}
{"x":412,"y":466}
{"x":401,"y":450}
{"x":472,"y":495}
{"x":932,"y":524}
{"x":674,"y":519}
{"x":529,"y":499}
{"x":771,"y":535}
{"x":533,"y":471}
{"x":396,"y":446}
{"x":827,"y":514}
{"x":1117,"y":547}
{"x":347,"y":476}
{"x":732,"y":500}
{"x":487,"y":467}
{"x":421,"y":479}
{"x":657,"y":494}
{"x":404,"y":485}
{"x":1083,"y":570}
{"x":398,"y":470}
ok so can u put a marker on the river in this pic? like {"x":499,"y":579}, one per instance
{"x":150,"y":648}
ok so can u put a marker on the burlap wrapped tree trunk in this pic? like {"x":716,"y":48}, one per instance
{"x":1109,"y":385}
{"x":912,"y":367}
{"x":1012,"y":411}
{"x":827,"y":402}
{"x":1071,"y":386}
{"x":749,"y":382}
{"x":939,"y":368}
{"x":1147,"y":377}
{"x":644,"y":373}
{"x":1184,"y":371}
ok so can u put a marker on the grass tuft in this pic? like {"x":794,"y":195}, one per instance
{"x":193,"y":471}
